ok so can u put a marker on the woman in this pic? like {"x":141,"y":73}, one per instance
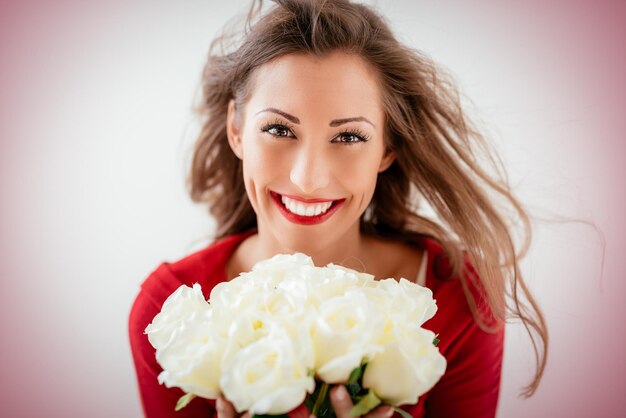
{"x":323,"y":135}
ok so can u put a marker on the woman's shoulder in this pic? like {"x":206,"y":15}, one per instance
{"x":460,"y":296}
{"x":439,"y":265}
{"x":427,"y":256}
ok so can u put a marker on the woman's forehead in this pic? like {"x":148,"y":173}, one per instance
{"x":334,"y":83}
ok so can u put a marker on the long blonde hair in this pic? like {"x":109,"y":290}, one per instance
{"x":439,"y":155}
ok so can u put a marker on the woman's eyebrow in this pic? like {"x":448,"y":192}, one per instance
{"x":290,"y":118}
{"x":333,"y":123}
{"x":337,"y":122}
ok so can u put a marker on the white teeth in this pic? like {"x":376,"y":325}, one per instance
{"x":300,"y":209}
{"x":305,"y":209}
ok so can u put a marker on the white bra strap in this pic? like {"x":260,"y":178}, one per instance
{"x":421,"y":275}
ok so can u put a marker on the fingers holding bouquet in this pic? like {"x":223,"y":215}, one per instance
{"x":225,"y":409}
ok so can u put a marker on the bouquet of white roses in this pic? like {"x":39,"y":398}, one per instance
{"x":277,"y":336}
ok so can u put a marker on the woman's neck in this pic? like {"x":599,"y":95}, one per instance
{"x":352,"y":250}
{"x":380,"y":257}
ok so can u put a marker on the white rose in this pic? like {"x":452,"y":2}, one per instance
{"x":343,"y":334}
{"x":282,"y":266}
{"x":192,"y":358}
{"x":283,"y":301}
{"x":234,"y":295}
{"x":362,"y":278}
{"x":177,"y":309}
{"x":243,"y":291}
{"x":407,"y":368}
{"x":267,"y":376}
{"x":324,"y":283}
{"x":187,"y":348}
{"x":256,"y":305}
{"x":411,"y":300}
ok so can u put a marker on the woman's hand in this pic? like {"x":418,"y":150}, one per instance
{"x":225,"y":409}
{"x":342,"y":404}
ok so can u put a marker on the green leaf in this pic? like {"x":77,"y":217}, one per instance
{"x":436,"y":340}
{"x":320,"y":400}
{"x":353,"y":389}
{"x":366,"y":404}
{"x":402,"y":412}
{"x":357,"y":373}
{"x":184,"y":401}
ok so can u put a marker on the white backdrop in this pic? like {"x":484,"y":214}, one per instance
{"x":95,"y":128}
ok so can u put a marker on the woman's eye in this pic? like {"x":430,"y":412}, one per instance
{"x":350,"y":138}
{"x":278,"y":130}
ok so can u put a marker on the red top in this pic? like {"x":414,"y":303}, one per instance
{"x":469,"y":387}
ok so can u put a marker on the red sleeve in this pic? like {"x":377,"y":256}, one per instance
{"x":471,"y":383}
{"x":157,"y":400}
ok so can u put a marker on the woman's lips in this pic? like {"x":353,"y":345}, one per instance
{"x":305,"y":220}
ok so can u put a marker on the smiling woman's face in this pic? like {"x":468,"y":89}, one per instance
{"x":311,"y":140}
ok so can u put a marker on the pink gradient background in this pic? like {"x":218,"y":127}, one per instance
{"x":95,"y":126}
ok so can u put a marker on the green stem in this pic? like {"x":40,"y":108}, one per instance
{"x":320,"y":399}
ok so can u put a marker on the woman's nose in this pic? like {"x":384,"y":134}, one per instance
{"x":310,"y":170}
